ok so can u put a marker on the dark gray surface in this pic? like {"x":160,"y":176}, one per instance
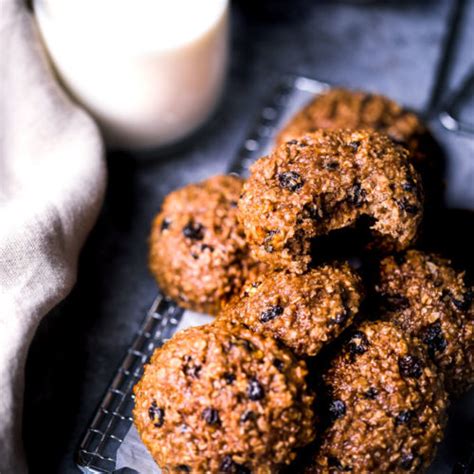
{"x":392,"y":47}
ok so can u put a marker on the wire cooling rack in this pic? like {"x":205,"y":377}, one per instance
{"x":113,"y":417}
{"x":112,"y":421}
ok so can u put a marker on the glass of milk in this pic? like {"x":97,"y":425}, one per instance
{"x":149,"y":71}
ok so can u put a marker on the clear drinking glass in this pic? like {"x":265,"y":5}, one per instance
{"x":149,"y":71}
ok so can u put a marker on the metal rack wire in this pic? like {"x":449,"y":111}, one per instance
{"x":276,"y":109}
{"x":113,"y":417}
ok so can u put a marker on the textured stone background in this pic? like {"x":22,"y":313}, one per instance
{"x":392,"y":47}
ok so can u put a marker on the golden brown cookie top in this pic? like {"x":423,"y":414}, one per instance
{"x":215,"y":400}
{"x":386,"y":406}
{"x":304,"y":312}
{"x":325,"y":181}
{"x":198,"y":253}
{"x":428,"y":299}
{"x":344,"y":108}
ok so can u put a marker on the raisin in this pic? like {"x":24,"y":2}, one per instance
{"x":278,"y":364}
{"x":247,"y":415}
{"x":341,"y":317}
{"x":240,"y":342}
{"x":404,"y":417}
{"x":354,"y":145}
{"x":292,"y":142}
{"x":405,"y":205}
{"x":229,"y":378}
{"x":432,"y":336}
{"x":412,"y":209}
{"x":460,"y":304}
{"x":207,"y":247}
{"x":151,"y":410}
{"x":407,"y":461}
{"x":332,"y":165}
{"x":371,"y":393}
{"x":247,"y":344}
{"x":271,"y":313}
{"x":410,"y":366}
{"x":356,"y":195}
{"x":191,"y":369}
{"x":399,"y":258}
{"x":211,"y":416}
{"x":337,"y":409}
{"x":228,"y":465}
{"x":358,"y":344}
{"x":291,"y":181}
{"x":165,"y":223}
{"x":156,"y":413}
{"x":409,"y":186}
{"x":395,"y":302}
{"x":255,"y":391}
{"x":233,"y":203}
{"x":334,"y":462}
{"x":183,"y":468}
{"x":193,"y":230}
{"x":464,"y":303}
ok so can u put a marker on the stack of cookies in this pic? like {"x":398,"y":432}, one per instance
{"x":306,"y":351}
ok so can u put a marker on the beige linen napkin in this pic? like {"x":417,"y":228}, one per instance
{"x":52,"y":179}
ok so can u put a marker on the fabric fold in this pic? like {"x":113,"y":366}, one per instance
{"x":52,"y":180}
